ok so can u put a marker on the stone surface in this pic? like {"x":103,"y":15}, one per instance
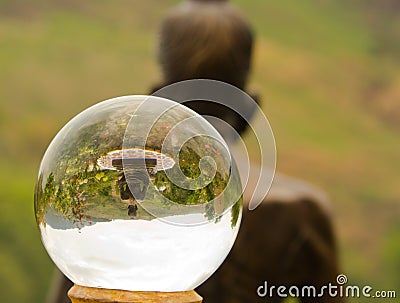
{"x":80,"y":294}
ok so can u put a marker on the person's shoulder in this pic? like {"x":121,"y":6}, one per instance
{"x":284,"y":189}
{"x":289,"y":189}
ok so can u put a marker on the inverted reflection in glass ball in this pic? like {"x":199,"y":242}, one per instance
{"x":138,"y":193}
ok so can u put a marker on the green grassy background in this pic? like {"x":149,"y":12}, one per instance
{"x":327,"y":72}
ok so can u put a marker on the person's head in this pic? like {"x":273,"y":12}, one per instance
{"x":207,"y":39}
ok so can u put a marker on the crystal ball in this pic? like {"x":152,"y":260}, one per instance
{"x":138,"y":193}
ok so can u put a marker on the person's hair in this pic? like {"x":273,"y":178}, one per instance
{"x":207,"y":39}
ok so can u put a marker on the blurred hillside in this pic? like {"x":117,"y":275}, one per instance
{"x":327,"y":72}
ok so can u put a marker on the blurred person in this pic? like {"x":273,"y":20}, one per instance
{"x":289,"y":238}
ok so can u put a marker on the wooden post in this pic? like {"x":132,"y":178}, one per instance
{"x":81,"y":294}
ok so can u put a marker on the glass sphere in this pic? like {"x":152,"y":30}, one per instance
{"x":138,"y":193}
